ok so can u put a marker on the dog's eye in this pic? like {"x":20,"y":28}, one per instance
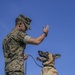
{"x":47,"y":53}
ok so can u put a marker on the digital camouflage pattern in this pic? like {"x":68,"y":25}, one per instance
{"x":14,"y":73}
{"x":13,"y":48}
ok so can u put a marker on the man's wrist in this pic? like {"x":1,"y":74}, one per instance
{"x":45,"y":33}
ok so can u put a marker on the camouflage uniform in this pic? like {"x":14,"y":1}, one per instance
{"x":13,"y":48}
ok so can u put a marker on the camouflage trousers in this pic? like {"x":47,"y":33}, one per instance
{"x":14,"y":73}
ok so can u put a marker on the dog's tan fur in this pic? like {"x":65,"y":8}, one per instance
{"x":48,"y":66}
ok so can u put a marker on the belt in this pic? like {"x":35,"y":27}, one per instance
{"x":14,"y":71}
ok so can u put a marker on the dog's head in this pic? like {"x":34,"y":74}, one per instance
{"x":47,"y":57}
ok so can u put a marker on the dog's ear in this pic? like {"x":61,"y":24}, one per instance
{"x":56,"y":56}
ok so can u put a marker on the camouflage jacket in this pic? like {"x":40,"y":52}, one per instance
{"x":13,"y":48}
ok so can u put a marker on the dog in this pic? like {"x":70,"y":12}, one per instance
{"x":48,"y":60}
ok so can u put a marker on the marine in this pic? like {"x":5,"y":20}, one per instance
{"x":15,"y":43}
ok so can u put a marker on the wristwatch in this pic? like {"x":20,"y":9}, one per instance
{"x":45,"y":33}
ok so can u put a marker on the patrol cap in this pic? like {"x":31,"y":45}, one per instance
{"x":25,"y":20}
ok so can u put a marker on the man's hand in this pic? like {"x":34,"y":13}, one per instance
{"x":40,"y":38}
{"x":45,"y":30}
{"x":25,"y":56}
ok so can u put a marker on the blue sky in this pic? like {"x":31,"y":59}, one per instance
{"x":59,"y":15}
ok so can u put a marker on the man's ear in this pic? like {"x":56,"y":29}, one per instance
{"x":56,"y":56}
{"x":19,"y":25}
